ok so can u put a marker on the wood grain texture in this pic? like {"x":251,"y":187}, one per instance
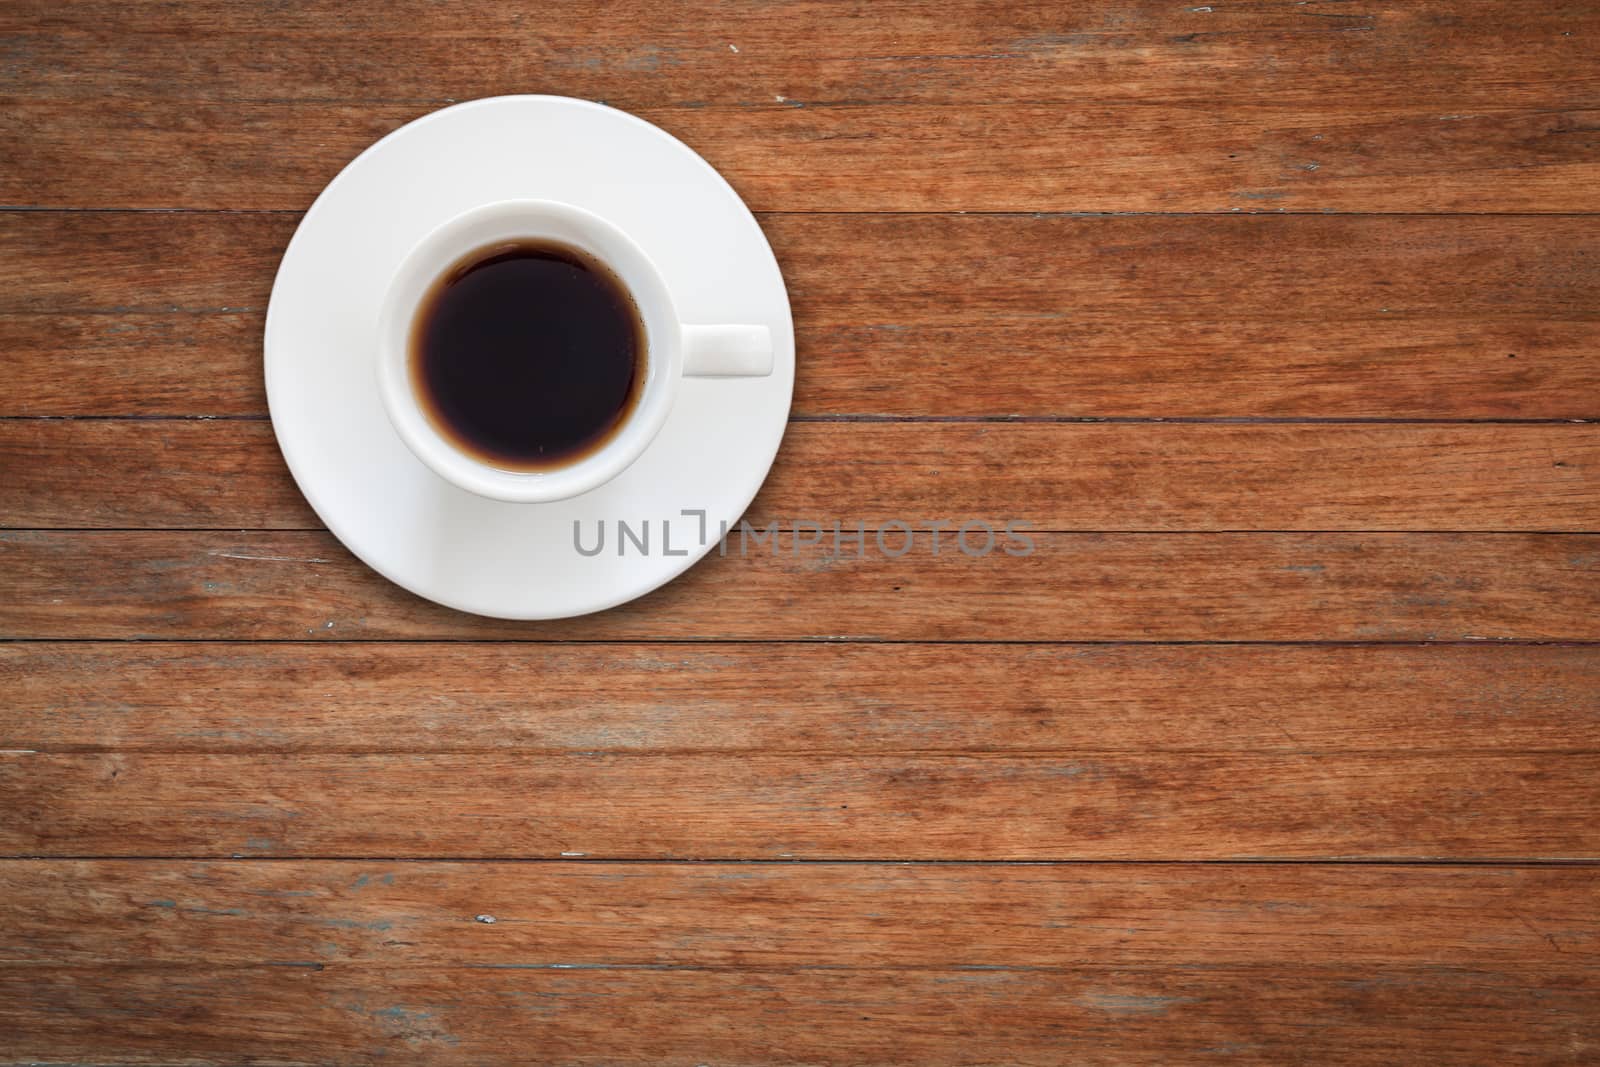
{"x":1358,"y":1015}
{"x":1056,"y":477}
{"x":129,"y":363}
{"x":154,"y":585}
{"x":1263,"y":211}
{"x":963,"y":807}
{"x":873,"y":269}
{"x":1477,"y":54}
{"x":1164,"y":317}
{"x":1020,"y":157}
{"x":796,"y":698}
{"x":853,"y":916}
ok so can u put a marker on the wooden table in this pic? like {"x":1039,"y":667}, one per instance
{"x":1277,"y":320}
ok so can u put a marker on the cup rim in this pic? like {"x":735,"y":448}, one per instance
{"x":515,"y":219}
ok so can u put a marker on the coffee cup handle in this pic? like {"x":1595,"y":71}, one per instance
{"x":727,"y":351}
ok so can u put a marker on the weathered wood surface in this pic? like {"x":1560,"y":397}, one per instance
{"x":1455,"y":366}
{"x":1167,"y":316}
{"x":155,"y":585}
{"x":366,"y":1015}
{"x":229,"y":474}
{"x":934,"y":270}
{"x":834,"y":699}
{"x":1291,"y":54}
{"x":1013,"y":157}
{"x":1264,"y":211}
{"x":1210,"y":316}
{"x":1401,"y":806}
{"x":754,"y":915}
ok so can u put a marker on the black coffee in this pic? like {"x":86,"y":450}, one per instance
{"x":528,"y":355}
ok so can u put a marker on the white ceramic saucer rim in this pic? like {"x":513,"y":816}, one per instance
{"x":300,"y":464}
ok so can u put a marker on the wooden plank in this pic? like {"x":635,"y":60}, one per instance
{"x":797,"y":698}
{"x":122,"y":474}
{"x":1160,"y":806}
{"x":1448,"y":367}
{"x":1056,"y":477}
{"x":1020,"y":157}
{"x":133,"y":364}
{"x":939,"y":916}
{"x":1202,"y":316}
{"x":365,"y":1015}
{"x":1474,"y":55}
{"x":1211,"y":266}
{"x":1072,"y":587}
{"x":1345,"y":366}
{"x":855,"y":270}
{"x":150,"y":262}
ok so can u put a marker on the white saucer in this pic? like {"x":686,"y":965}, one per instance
{"x":518,"y":561}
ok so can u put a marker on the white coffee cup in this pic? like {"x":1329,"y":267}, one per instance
{"x":673,"y":349}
